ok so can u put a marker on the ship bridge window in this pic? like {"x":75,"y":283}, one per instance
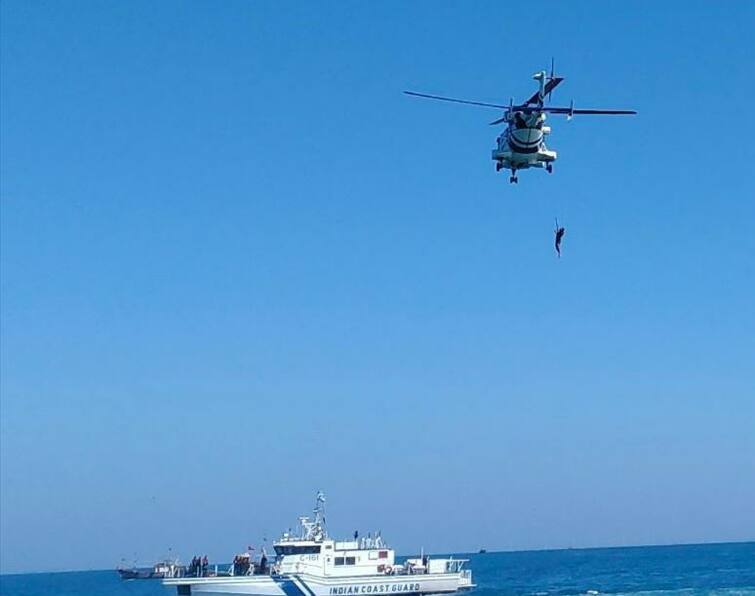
{"x":285,"y":549}
{"x":345,"y":561}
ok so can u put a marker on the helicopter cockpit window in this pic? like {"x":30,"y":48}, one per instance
{"x":519,"y":122}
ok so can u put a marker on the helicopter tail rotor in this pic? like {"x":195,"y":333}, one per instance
{"x":547,"y":84}
{"x":552,"y":76}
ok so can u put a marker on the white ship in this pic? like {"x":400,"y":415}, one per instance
{"x":311,"y":563}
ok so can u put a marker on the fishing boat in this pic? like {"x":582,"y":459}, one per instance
{"x":160,"y":570}
{"x":311,"y":563}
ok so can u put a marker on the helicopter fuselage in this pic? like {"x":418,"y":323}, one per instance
{"x":522,"y":144}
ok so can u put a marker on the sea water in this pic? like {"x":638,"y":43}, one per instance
{"x":691,"y":570}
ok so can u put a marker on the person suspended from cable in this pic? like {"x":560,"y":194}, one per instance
{"x":560,"y":231}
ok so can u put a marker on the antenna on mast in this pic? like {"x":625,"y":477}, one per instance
{"x":314,"y":529}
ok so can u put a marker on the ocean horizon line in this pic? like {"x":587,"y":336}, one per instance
{"x":487,"y":551}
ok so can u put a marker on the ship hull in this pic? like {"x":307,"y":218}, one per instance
{"x":306,"y":585}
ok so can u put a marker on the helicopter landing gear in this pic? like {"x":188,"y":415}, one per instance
{"x":498,"y":166}
{"x":513,"y":179}
{"x":549,"y":168}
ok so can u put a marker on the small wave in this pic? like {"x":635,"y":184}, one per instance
{"x":746,"y":591}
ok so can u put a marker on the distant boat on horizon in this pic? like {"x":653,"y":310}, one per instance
{"x":483,"y":551}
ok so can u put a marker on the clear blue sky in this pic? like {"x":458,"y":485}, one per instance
{"x":238,"y":266}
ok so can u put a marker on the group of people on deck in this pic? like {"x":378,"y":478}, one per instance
{"x":198,"y":567}
{"x":244,"y":565}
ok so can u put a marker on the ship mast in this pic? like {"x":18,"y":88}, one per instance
{"x":315,"y":529}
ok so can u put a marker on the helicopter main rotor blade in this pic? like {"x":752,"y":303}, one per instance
{"x":570,"y":111}
{"x":454,"y":100}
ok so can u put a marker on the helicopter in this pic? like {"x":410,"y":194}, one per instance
{"x":522,"y":144}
